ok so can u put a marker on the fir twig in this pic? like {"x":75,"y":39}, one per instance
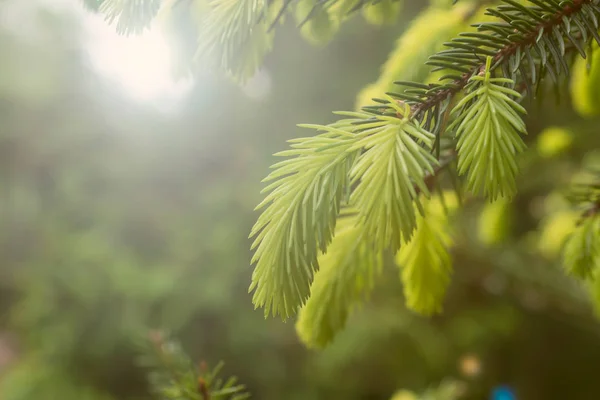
{"x":525,"y":28}
{"x":172,"y":375}
{"x":387,"y":149}
{"x":543,"y":28}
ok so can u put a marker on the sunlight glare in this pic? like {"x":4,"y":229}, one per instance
{"x":140,"y":64}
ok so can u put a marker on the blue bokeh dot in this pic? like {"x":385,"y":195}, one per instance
{"x":503,"y":393}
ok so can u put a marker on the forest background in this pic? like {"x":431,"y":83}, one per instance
{"x":127,"y":201}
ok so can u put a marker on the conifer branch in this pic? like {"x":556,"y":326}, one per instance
{"x":393,"y":143}
{"x":384,"y":160}
{"x":299,"y":216}
{"x":545,"y":28}
{"x":345,"y":9}
{"x":581,"y":253}
{"x":347,"y":274}
{"x":488,"y":130}
{"x":425,"y":261}
{"x":231,"y":37}
{"x":129,"y":16}
{"x":173,"y":376}
{"x":582,"y":249}
{"x":523,"y":39}
{"x":423,"y":37}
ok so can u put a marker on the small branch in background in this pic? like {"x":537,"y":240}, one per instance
{"x":172,"y":375}
{"x":203,"y":389}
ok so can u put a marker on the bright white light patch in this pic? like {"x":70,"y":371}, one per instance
{"x":141,"y":64}
{"x":259,"y":86}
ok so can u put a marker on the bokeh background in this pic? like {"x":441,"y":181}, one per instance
{"x":127,"y":198}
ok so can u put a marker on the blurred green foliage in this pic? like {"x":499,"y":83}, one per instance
{"x":117,"y":218}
